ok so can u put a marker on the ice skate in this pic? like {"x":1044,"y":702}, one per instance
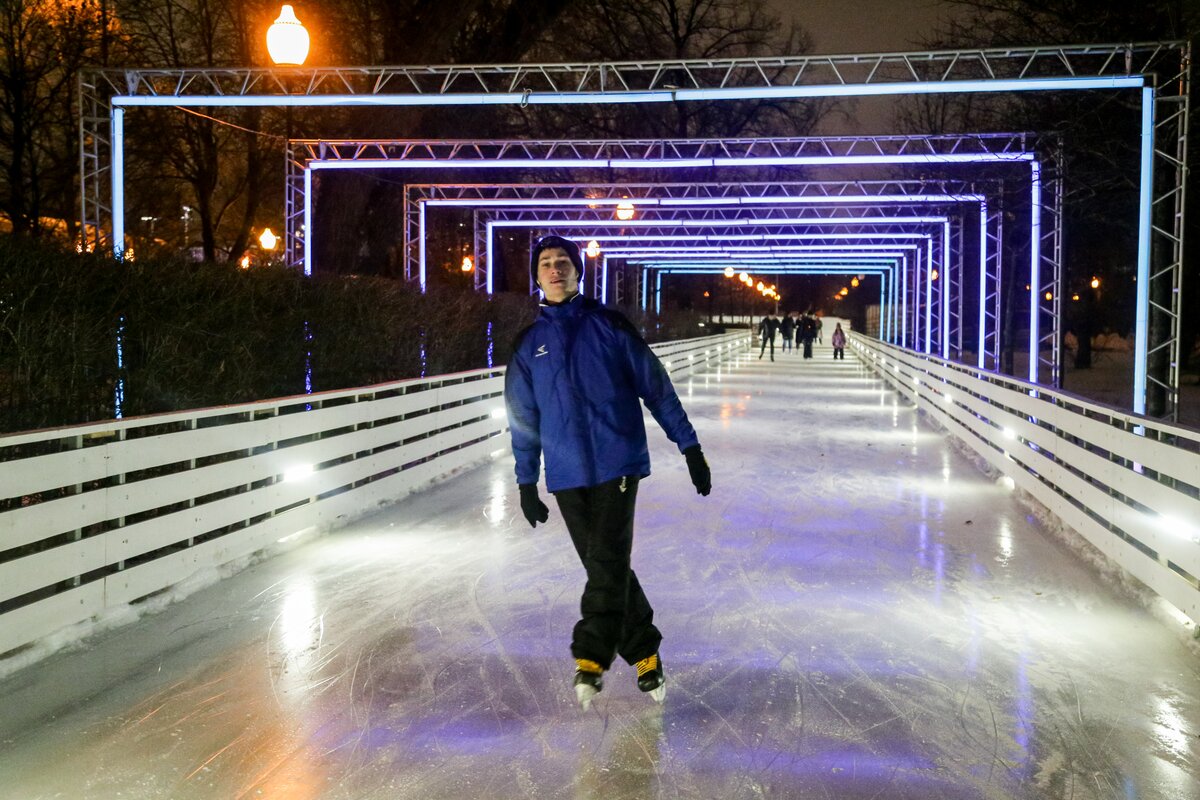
{"x":589,"y":680}
{"x":650,"y":677}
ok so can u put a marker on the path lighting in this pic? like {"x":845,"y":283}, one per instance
{"x":468,"y":264}
{"x":729,"y":272}
{"x":593,"y":249}
{"x":759,"y":286}
{"x":1049,"y":295}
{"x":1075,"y":297}
{"x":267,"y":240}
{"x":245,"y":262}
{"x":854,"y":282}
{"x":1095,"y":282}
{"x":744,"y":277}
{"x":624,"y":211}
{"x":933,"y":276}
{"x":844,"y":291}
{"x":287,"y":40}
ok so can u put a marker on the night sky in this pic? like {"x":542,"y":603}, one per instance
{"x":864,"y":26}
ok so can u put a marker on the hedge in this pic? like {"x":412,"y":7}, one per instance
{"x":195,"y":335}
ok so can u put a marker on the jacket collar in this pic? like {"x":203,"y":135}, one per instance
{"x":571,"y":307}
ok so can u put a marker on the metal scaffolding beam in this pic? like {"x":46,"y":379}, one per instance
{"x":648,"y":80}
{"x":1161,"y":70}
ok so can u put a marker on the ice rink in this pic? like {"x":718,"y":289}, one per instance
{"x":855,"y":612}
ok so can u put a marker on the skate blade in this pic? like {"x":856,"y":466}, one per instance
{"x":659,"y":694}
{"x":584,"y":694}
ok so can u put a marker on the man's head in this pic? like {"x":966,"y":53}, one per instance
{"x":556,"y":267}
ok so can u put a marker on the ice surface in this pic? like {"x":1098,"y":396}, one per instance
{"x":854,"y":612}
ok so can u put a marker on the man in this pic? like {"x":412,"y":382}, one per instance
{"x":808,"y":332}
{"x":572,"y":389}
{"x":787,"y":328}
{"x":766,"y":330}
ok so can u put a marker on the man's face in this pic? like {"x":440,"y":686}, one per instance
{"x":556,"y":274}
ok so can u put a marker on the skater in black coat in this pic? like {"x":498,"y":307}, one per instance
{"x":574,"y":389}
{"x":787,"y":329}
{"x":808,"y":332}
{"x":766,"y":331}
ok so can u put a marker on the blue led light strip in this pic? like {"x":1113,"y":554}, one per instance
{"x":987,"y":86}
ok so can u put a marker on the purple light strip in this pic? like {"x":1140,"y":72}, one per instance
{"x":668,"y":163}
{"x":704,"y":201}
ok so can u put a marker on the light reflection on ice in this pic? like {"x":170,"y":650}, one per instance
{"x":297,"y":618}
{"x":1170,"y":729}
{"x":1006,"y":542}
{"x":497,"y":507}
{"x":299,"y":638}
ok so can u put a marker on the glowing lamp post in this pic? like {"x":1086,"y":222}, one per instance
{"x":624,"y":211}
{"x":267,"y":240}
{"x":729,"y":272}
{"x":287,"y":39}
{"x":593,"y":249}
{"x":468,"y":264}
{"x":1095,"y":283}
{"x":287,"y":44}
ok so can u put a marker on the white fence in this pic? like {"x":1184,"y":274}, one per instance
{"x":1129,"y":485}
{"x":96,"y":516}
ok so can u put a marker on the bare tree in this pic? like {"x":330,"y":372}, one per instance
{"x":221,"y":157}
{"x":42,"y":44}
{"x":663,"y":30}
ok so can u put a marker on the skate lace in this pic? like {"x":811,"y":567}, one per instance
{"x":647,"y":665}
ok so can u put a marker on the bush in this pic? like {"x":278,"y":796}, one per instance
{"x":195,"y":335}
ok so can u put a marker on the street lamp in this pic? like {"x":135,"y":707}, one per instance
{"x":593,"y":249}
{"x":729,"y":272}
{"x":287,"y":39}
{"x":287,"y":44}
{"x":1095,"y":283}
{"x":468,"y":264}
{"x":624,"y":211}
{"x":267,"y":240}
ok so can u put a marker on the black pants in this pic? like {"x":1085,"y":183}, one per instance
{"x":615,"y":616}
{"x":765,"y":341}
{"x":839,"y":352}
{"x":808,"y":348}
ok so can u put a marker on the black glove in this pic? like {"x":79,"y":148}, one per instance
{"x":698,"y":469}
{"x":532,"y":506}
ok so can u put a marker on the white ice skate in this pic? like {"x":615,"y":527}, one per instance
{"x":589,"y":680}
{"x":651,"y":678}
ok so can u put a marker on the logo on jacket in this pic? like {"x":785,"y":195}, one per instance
{"x":541,"y":351}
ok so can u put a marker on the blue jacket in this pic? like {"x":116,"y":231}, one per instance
{"x":572,"y":390}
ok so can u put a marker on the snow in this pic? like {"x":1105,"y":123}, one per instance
{"x":856,"y":611}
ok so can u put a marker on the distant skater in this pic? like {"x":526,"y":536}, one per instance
{"x":838,"y":340}
{"x":572,"y":389}
{"x":787,"y":329}
{"x":808,"y":332}
{"x":766,"y":330}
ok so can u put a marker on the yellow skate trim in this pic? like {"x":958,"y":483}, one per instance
{"x":583,"y":665}
{"x":647,"y":665}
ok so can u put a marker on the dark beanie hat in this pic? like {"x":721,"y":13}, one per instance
{"x":552,"y":241}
